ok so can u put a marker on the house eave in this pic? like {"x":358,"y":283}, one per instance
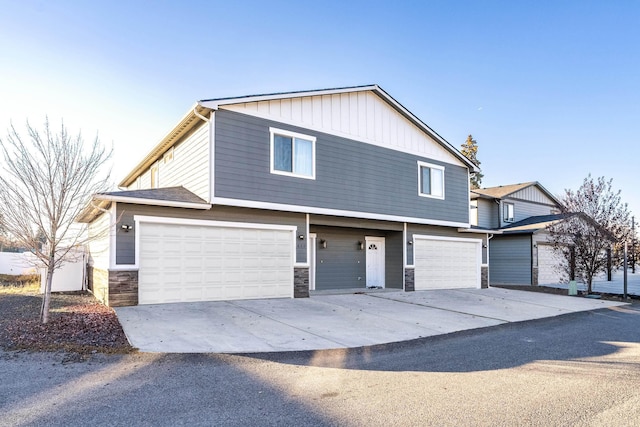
{"x":186,"y":123}
{"x":152,"y":202}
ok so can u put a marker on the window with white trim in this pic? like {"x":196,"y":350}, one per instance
{"x":430,"y":180}
{"x":508,"y":210}
{"x":293,"y":154}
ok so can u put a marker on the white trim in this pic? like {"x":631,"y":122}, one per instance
{"x":335,"y":212}
{"x":154,"y":202}
{"x":307,"y":237}
{"x":453,"y":239}
{"x":113,"y":230}
{"x":312,"y":238}
{"x":431,"y":167}
{"x":212,"y":155}
{"x":211,"y":223}
{"x":404,"y":253}
{"x":214,"y":104}
{"x":293,"y":135}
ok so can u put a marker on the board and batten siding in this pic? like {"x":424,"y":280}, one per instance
{"x":533,"y":194}
{"x":362,"y":116}
{"x":125,"y":242}
{"x":99,"y":232}
{"x":510,"y":259}
{"x":350,"y":175}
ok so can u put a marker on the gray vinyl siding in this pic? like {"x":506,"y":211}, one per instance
{"x":488,"y":213}
{"x":430,"y":230}
{"x":523,"y":209}
{"x":510,"y":259}
{"x":125,"y":241}
{"x":350,"y":175}
{"x":342,"y":264}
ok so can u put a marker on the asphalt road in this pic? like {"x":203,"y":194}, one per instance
{"x":577,"y":369}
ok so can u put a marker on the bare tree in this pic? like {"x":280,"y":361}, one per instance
{"x":47,"y":180}
{"x":595,"y":221}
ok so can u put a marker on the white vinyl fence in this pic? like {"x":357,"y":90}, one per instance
{"x":17,"y":264}
{"x":70,"y":277}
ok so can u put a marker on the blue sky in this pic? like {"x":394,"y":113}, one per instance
{"x":549,"y":89}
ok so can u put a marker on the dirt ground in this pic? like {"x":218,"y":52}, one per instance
{"x":78,"y":323}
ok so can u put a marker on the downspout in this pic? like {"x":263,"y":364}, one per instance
{"x":211,"y":150}
{"x":195,"y":112}
{"x":107,"y":211}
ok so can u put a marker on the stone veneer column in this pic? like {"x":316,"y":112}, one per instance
{"x":123,"y":288}
{"x":484,"y":277}
{"x":409,"y":280}
{"x":301,"y":282}
{"x":534,"y":276}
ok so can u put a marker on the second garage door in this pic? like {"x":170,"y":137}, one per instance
{"x":183,"y":262}
{"x":446,"y":263}
{"x":550,"y":266}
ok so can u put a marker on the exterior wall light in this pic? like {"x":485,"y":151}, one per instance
{"x":301,"y":237}
{"x":323,"y":244}
{"x":126,"y":227}
{"x":360,"y":245}
{"x":410,"y":242}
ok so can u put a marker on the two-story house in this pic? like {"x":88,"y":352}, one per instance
{"x":519,"y":215}
{"x":276,"y":195}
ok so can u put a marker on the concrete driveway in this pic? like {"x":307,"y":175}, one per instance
{"x":334,"y":321}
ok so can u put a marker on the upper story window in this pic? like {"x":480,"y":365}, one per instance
{"x":508,"y":212}
{"x":430,"y":180}
{"x":293,"y":154}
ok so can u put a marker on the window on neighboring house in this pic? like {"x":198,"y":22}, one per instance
{"x":430,"y":180}
{"x":154,"y":177}
{"x":293,"y":154}
{"x":508,"y":212}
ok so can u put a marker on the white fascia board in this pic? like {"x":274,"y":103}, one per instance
{"x":214,"y":104}
{"x":478,"y":231}
{"x":153,"y":202}
{"x":334,"y":212}
{"x":447,"y":238}
{"x":212,"y":223}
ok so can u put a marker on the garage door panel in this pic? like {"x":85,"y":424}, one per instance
{"x":201,"y":263}
{"x":446,"y":264}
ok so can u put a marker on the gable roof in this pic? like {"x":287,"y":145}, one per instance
{"x":534,"y":223}
{"x":503,"y":191}
{"x":204,"y":107}
{"x":177,"y":197}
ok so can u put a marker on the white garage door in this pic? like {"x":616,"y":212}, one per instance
{"x":446,"y":263}
{"x":207,"y":263}
{"x":550,"y":263}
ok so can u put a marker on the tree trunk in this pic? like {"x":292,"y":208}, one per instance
{"x":46,"y":297}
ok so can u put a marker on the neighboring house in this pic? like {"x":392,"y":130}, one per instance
{"x":519,"y":215}
{"x":275,"y":195}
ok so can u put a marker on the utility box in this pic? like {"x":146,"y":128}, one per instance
{"x":573,"y":288}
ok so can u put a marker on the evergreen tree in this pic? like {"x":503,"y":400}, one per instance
{"x":470,"y":151}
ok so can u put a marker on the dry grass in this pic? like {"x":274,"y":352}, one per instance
{"x":19,"y":285}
